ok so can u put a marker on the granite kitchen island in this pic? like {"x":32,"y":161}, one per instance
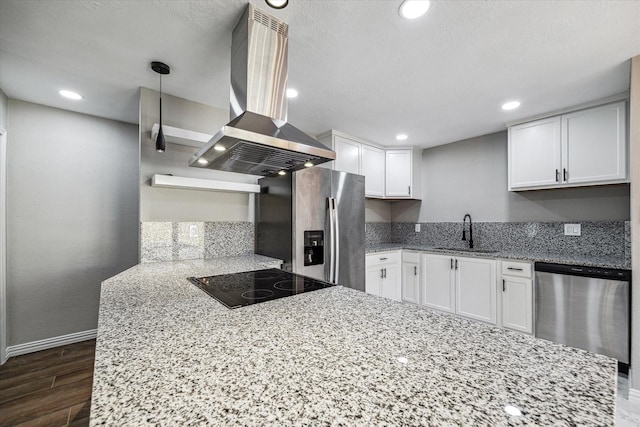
{"x":168,"y":354}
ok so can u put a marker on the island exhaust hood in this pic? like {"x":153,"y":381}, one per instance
{"x":258,"y":140}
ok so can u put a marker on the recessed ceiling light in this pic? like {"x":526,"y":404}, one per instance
{"x":401,"y":137}
{"x":292,"y":93}
{"x":511,"y":105}
{"x":412,"y":9}
{"x":277,"y":4}
{"x":70,"y":94}
{"x":203,"y":161}
{"x":308,"y":165}
{"x":513,"y":411}
{"x":282,"y":173}
{"x":219,"y":148}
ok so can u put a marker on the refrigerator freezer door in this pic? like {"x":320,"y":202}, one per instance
{"x":348,"y":191}
{"x":311,"y":190}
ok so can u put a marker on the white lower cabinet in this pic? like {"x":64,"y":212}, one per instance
{"x":465,"y":286}
{"x":438,"y":289}
{"x":383,"y":275}
{"x":517,"y":296}
{"x":411,"y":277}
{"x":476,"y":289}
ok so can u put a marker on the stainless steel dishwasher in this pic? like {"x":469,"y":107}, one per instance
{"x":584,"y":307}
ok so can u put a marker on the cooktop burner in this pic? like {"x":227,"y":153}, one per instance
{"x":252,"y":287}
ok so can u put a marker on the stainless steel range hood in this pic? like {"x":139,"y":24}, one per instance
{"x":258,"y":140}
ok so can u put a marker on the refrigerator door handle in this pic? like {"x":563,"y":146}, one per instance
{"x":332,"y":237}
{"x":336,"y":246}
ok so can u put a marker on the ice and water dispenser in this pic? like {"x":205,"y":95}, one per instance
{"x":313,"y":247}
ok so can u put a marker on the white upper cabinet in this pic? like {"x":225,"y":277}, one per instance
{"x":398,"y":174}
{"x":594,"y":144}
{"x":534,"y":154}
{"x":586,"y":147}
{"x":349,"y":154}
{"x":403,"y":174}
{"x":373,"y":166}
{"x":389,"y":173}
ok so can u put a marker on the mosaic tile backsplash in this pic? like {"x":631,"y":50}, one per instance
{"x":602,"y":238}
{"x":177,"y":241}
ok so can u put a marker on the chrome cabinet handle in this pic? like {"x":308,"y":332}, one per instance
{"x":382,"y":273}
{"x":557,"y":175}
{"x":514,"y":269}
{"x":451,"y":267}
{"x":504,"y":285}
{"x":385,"y":272}
{"x":415,"y":270}
{"x":564,"y":174}
{"x":456,"y":264}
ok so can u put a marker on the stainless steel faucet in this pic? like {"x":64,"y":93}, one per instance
{"x":464,"y":236}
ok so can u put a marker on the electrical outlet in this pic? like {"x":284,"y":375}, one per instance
{"x":417,"y":228}
{"x":572,"y":230}
{"x":193,"y":231}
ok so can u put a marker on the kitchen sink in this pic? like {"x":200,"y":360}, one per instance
{"x":478,"y":251}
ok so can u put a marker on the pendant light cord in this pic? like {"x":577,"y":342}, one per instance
{"x":160,"y":101}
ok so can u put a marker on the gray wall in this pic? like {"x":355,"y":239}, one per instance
{"x":3,"y":109}
{"x":377,"y":210}
{"x":175,"y":205}
{"x":470,"y":176}
{"x":72,"y":217}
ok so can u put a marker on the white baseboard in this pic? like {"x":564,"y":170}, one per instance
{"x":634,"y":395}
{"x":45,"y":344}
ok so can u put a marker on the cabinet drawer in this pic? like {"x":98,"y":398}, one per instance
{"x":515,"y":268}
{"x":381,"y":258}
{"x":410,"y":256}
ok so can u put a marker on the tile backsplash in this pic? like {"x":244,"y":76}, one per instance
{"x":602,"y":238}
{"x":175,"y":241}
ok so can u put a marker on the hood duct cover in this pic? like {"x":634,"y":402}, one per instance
{"x":258,"y":140}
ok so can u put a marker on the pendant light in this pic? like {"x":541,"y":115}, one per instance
{"x":160,"y":68}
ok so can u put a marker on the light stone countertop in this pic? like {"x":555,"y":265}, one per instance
{"x":573,"y":259}
{"x":168,"y":354}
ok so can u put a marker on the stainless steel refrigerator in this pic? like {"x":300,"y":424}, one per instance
{"x":313,"y":220}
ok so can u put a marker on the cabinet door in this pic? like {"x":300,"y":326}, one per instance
{"x":535,"y":151}
{"x":476,"y":289}
{"x":398,"y":173}
{"x":391,"y":286}
{"x":411,"y":282}
{"x":347,"y":155}
{"x":517,"y":304}
{"x":437,"y":282}
{"x":372,"y":280}
{"x":373,"y":171}
{"x":595,"y":145}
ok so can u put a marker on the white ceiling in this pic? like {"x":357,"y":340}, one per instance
{"x":358,"y":66}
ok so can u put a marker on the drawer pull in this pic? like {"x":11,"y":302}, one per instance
{"x":451,"y":267}
{"x":415,"y":270}
{"x":503,"y":285}
{"x":383,"y":259}
{"x":514,"y":269}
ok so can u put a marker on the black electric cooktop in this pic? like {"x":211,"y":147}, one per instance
{"x":253,"y":287}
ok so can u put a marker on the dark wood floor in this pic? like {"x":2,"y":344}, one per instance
{"x":48,"y":388}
